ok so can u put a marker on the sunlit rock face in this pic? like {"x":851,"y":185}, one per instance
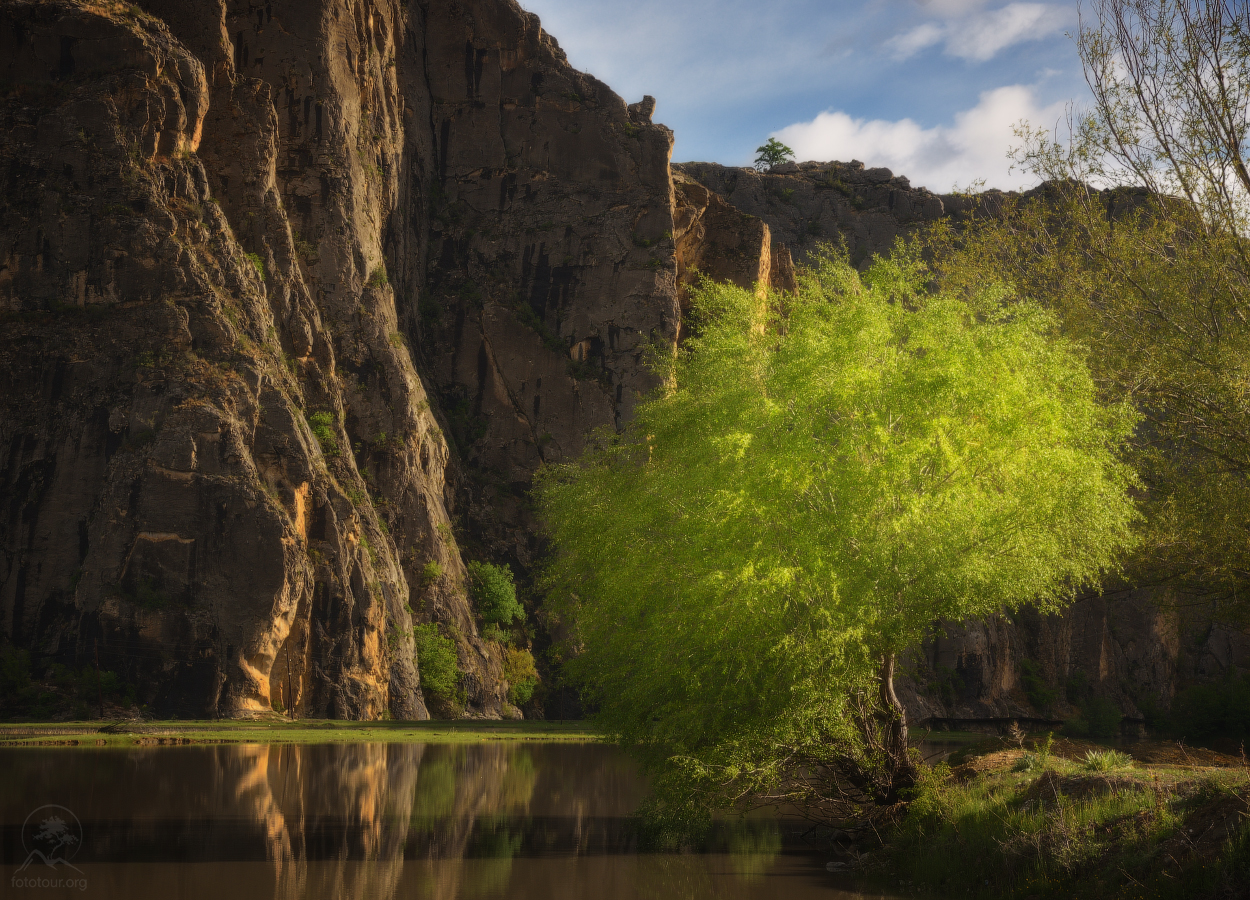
{"x":256,"y":261}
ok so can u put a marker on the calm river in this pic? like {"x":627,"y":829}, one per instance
{"x":375,"y":821}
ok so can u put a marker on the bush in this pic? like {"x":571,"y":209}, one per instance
{"x":1028,"y":763}
{"x":1100,"y":718}
{"x":257,"y":263}
{"x":430,"y":573}
{"x":14,"y":670}
{"x":1040,"y":694}
{"x":522,"y":677}
{"x":437,"y":664}
{"x":322,"y":424}
{"x":1218,"y":709}
{"x":494,"y":592}
{"x":1106,"y":760}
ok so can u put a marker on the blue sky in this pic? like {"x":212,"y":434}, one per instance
{"x":930,"y":89}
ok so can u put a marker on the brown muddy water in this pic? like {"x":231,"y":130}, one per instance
{"x":376,"y":821}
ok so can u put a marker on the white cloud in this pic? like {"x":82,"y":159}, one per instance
{"x":951,"y":8}
{"x":981,"y":36}
{"x":973,"y":147}
{"x":912,"y":42}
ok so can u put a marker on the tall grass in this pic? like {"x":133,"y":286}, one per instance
{"x":1065,"y":832}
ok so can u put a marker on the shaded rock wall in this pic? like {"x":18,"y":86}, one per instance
{"x":551,"y":258}
{"x":297,"y":297}
{"x":257,"y":259}
{"x":166,"y":504}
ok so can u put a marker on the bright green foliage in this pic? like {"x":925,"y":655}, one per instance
{"x":494,"y":592}
{"x":431,"y":572}
{"x":1106,"y":760}
{"x":257,"y":263}
{"x":774,"y":153}
{"x":520,"y":673}
{"x":322,"y":424}
{"x":824,"y":477}
{"x":438,"y":664}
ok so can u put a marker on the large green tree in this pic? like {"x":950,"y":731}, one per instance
{"x":823,"y":477}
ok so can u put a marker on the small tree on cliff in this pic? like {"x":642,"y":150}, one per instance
{"x":824,"y":477}
{"x":772,"y":154}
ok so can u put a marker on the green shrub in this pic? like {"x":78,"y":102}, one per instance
{"x":1040,"y":694}
{"x":437,"y":663}
{"x":322,"y":424}
{"x":430,"y":573}
{"x":14,"y":670}
{"x":1218,"y":709}
{"x":1106,"y":760}
{"x":1027,"y":763}
{"x":492,"y":632}
{"x":378,"y":278}
{"x":522,"y":677}
{"x":257,"y":263}
{"x":1100,"y":718}
{"x":494,"y":592}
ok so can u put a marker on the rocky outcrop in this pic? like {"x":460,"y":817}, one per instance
{"x":806,"y":204}
{"x":551,"y":259}
{"x":257,"y":258}
{"x":716,"y":241}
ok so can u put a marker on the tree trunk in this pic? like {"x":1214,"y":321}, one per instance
{"x":894,"y":728}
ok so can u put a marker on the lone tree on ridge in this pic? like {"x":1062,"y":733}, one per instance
{"x":772,"y":154}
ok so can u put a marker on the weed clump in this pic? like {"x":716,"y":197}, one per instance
{"x":438,"y":665}
{"x":322,"y":425}
{"x":1106,"y":760}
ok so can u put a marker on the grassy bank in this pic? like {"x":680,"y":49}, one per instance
{"x":1075,"y":820}
{"x":164,"y":733}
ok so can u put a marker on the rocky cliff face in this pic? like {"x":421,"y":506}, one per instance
{"x":258,"y":259}
{"x":806,"y":204}
{"x":550,"y":268}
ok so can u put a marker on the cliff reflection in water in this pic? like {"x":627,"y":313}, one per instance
{"x":376,"y":821}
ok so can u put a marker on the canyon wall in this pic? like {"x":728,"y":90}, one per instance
{"x":257,"y":262}
{"x":295,"y":297}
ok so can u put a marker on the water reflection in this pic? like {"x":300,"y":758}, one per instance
{"x":377,"y":821}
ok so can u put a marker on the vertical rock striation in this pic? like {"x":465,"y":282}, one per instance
{"x":256,"y":259}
